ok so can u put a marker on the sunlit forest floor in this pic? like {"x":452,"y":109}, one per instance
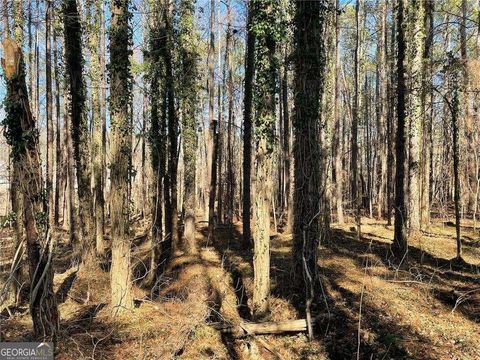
{"x":428,"y":308}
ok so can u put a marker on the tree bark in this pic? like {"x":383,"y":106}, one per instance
{"x":356,"y":196}
{"x":120,"y":80}
{"x":157,"y":138}
{"x":427,"y":95}
{"x":231,"y":119}
{"x":213,"y":124}
{"x":455,"y":74}
{"x":95,"y":75}
{"x":79,"y":126}
{"x":415,"y":48}
{"x":337,"y":151}
{"x":383,"y":108}
{"x":265,"y":328}
{"x":308,"y":88}
{"x":58,"y":149}
{"x":189,"y":93}
{"x":172,"y":126}
{"x":266,"y":16}
{"x":22,"y":135}
{"x":247,"y":125}
{"x":399,"y":246}
{"x":49,"y":112}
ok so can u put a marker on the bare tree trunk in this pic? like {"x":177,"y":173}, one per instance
{"x":220,"y":153}
{"x":30,"y":53}
{"x":247,"y":126}
{"x":231,"y":119}
{"x":213,"y":131}
{"x":416,"y":33}
{"x":95,"y":75}
{"x":391,"y":87}
{"x":71,"y":223}
{"x":58,"y":152}
{"x":469,"y":174}
{"x":37,"y":64}
{"x":49,"y":112}
{"x":288,"y":146}
{"x":427,"y":94}
{"x":337,"y":151}
{"x":454,"y":73}
{"x":356,"y":193}
{"x":103,"y":111}
{"x":399,"y":246}
{"x":383,"y":108}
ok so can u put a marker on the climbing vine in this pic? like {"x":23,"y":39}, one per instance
{"x":268,"y":28}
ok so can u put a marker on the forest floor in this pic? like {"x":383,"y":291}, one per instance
{"x":428,"y":308}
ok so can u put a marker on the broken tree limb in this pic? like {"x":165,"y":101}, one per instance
{"x":266,"y":328}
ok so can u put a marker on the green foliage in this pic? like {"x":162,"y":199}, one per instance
{"x":120,"y":66}
{"x":8,"y":220}
{"x":188,"y":91}
{"x":268,"y":28}
{"x":14,"y":105}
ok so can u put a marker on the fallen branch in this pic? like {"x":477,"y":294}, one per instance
{"x":462,"y":297}
{"x":266,"y":328}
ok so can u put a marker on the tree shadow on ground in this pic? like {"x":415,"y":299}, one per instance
{"x":215,"y":304}
{"x":83,"y":320}
{"x":381,"y":335}
{"x":347,"y":243}
{"x":65,"y":286}
{"x":225,"y":240}
{"x":443,"y":276}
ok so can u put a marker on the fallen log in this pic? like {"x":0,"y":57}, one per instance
{"x":267,"y":328}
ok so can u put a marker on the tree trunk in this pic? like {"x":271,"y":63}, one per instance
{"x":391,"y":123}
{"x":247,"y":125}
{"x":427,"y":94}
{"x":337,"y":151}
{"x":469,"y":174}
{"x":416,"y":33}
{"x":71,"y":224}
{"x":356,"y":193}
{"x":383,"y":108}
{"x":231,"y":119}
{"x":399,"y":246}
{"x":95,"y":75}
{"x":22,"y":135}
{"x":120,"y":80}
{"x":103,"y":108}
{"x":266,"y":17}
{"x":49,"y":112}
{"x":189,"y":93}
{"x":79,"y":126}
{"x":157,"y":139}
{"x":213,"y":133}
{"x":58,"y":151}
{"x":455,"y":75}
{"x":308,"y":88}
{"x":172,"y":126}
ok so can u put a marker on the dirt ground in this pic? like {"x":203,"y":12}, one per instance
{"x":427,"y":308}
